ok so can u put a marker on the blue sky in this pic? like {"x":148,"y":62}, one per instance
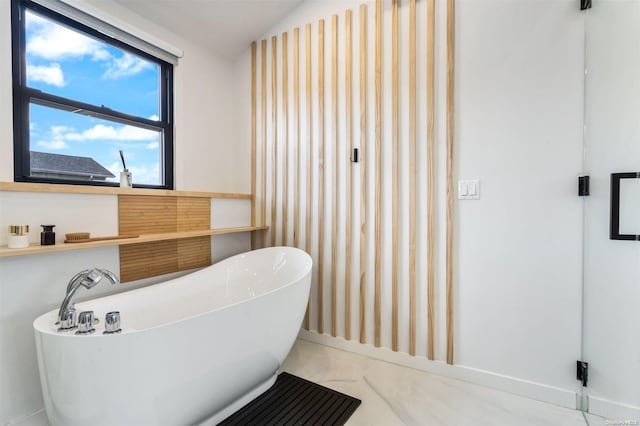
{"x":66,"y":63}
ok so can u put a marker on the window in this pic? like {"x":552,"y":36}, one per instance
{"x":79,"y":97}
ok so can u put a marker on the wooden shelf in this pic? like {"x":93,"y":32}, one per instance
{"x":110,"y":190}
{"x":37,"y":249}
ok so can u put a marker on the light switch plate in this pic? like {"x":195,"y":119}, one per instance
{"x":469,"y":189}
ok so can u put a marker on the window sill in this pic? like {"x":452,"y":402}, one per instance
{"x":108,"y":190}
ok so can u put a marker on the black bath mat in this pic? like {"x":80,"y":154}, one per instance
{"x":295,"y":401}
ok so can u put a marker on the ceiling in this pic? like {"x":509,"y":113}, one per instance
{"x":227,"y":27}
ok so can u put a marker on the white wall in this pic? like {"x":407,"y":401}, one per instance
{"x":612,"y":268}
{"x":206,"y":157}
{"x":519,"y":105}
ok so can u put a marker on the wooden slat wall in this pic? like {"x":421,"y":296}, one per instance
{"x":335,"y":184}
{"x":274,"y":139}
{"x":310,"y":149}
{"x":321,"y":178}
{"x":363,"y":171}
{"x":254,"y":49}
{"x":394,"y":174}
{"x":193,"y":214}
{"x":431,"y":179}
{"x":349,"y":200}
{"x":138,"y":261}
{"x":194,"y":253}
{"x":285,"y":134}
{"x":412,"y":177}
{"x":151,"y":215}
{"x":263,"y":151}
{"x":147,"y":215}
{"x":297,"y":150}
{"x":450,"y":183}
{"x":378,"y":182}
{"x":326,"y":127}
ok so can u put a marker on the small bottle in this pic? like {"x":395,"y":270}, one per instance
{"x":126,"y":179}
{"x":18,"y":237}
{"x":47,"y":236}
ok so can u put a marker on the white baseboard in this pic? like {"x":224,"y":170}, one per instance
{"x":613,"y":410}
{"x":538,"y":391}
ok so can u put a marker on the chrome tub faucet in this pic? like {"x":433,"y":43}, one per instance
{"x":88,"y":279}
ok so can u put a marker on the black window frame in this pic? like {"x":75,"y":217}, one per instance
{"x":23,"y":96}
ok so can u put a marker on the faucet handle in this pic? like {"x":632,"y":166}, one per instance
{"x":85,"y":323}
{"x":67,"y":319}
{"x":112,"y":323}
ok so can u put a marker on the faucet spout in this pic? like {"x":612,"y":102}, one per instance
{"x":88,"y":278}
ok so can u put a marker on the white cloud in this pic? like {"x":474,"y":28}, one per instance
{"x":59,"y":136}
{"x":54,"y":42}
{"x":125,"y":66}
{"x":124,"y":133}
{"x":51,"y":41}
{"x":59,"y":131}
{"x":101,"y":55}
{"x":53,"y":145}
{"x":51,"y":74}
{"x":56,"y":136}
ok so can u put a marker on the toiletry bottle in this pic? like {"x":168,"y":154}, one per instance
{"x":18,"y":237}
{"x":47,"y":236}
{"x":126,"y":179}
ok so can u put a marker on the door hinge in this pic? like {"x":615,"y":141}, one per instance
{"x":585,"y":4}
{"x":583,"y":186}
{"x":582,"y":372}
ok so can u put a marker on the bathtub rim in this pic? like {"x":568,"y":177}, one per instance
{"x":44,"y":323}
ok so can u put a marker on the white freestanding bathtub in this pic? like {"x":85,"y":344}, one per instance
{"x":192,"y":350}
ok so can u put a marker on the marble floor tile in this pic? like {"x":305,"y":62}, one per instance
{"x":393,"y":395}
{"x":397,"y":395}
{"x":593,"y":420}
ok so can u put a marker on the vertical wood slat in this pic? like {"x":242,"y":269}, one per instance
{"x":431,"y":178}
{"x":394,"y":175}
{"x":285,"y":114}
{"x":412,"y":177}
{"x":450,"y":141}
{"x":253,"y":142}
{"x":309,"y":195}
{"x":297,"y":150}
{"x":263,"y":151}
{"x":274,"y":138}
{"x":378,"y":182}
{"x":335,"y":184}
{"x":321,"y":178}
{"x":363,"y":169}
{"x":348,"y":198}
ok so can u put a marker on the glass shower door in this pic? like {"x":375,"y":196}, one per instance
{"x":611,"y":324}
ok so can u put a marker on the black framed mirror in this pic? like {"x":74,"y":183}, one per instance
{"x":625,"y":206}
